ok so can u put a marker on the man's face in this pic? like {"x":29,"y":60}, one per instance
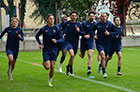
{"x":117,"y":21}
{"x":104,"y":17}
{"x":50,"y":20}
{"x":91,"y":17}
{"x":73,"y":16}
{"x":64,"y":19}
{"x":14,"y":23}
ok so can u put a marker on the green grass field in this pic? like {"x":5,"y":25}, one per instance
{"x":31,"y":78}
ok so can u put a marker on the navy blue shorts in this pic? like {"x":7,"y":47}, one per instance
{"x":49,"y":55}
{"x":60,"y":46}
{"x":115,"y":49}
{"x":84,"y":46}
{"x":69,"y":46}
{"x":13,"y":52}
{"x":105,"y":48}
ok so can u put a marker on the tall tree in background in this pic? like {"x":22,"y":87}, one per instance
{"x":45,"y":7}
{"x":23,"y":10}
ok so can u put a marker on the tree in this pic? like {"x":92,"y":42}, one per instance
{"x":45,"y":7}
{"x":23,"y":10}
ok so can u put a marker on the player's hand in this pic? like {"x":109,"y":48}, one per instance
{"x":64,"y":36}
{"x":87,"y":36}
{"x":117,"y":36}
{"x":19,"y":36}
{"x":96,"y":37}
{"x":106,"y":32}
{"x":41,"y":46}
{"x":54,"y":40}
{"x":77,"y":28}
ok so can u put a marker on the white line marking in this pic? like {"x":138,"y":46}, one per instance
{"x":132,"y":49}
{"x":83,"y":78}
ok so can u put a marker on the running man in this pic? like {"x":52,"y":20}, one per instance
{"x":116,"y":45}
{"x":51,"y":36}
{"x":71,"y":36}
{"x":61,"y":45}
{"x":87,"y":41}
{"x":103,"y":39}
{"x":14,"y":35}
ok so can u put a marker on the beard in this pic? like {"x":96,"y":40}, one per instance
{"x":90,"y":19}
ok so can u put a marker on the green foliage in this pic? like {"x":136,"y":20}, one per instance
{"x":45,"y":7}
{"x":80,"y":6}
{"x":23,"y":10}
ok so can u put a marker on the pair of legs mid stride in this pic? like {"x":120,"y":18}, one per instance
{"x":11,"y":65}
{"x":49,"y":65}
{"x":69,"y":67}
{"x":64,"y":52}
{"x":119,"y":54}
{"x":90,"y":53}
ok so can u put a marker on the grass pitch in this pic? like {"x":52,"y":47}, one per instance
{"x":32,"y":78}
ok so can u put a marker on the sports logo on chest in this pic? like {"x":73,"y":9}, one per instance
{"x":106,"y":26}
{"x":9,"y":31}
{"x":54,"y":31}
{"x":46,"y":31}
{"x":68,"y":24}
{"x":88,"y":25}
{"x":17,"y":31}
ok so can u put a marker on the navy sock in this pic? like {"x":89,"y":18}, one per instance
{"x":100,"y":65}
{"x":103,"y":70}
{"x":119,"y":68}
{"x":89,"y":67}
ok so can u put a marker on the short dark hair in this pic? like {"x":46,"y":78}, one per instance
{"x":91,"y":13}
{"x":116,"y":17}
{"x":107,"y":13}
{"x":73,"y":12}
{"x":49,"y":16}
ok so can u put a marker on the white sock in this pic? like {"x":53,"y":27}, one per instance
{"x":60,"y":65}
{"x":50,"y":80}
{"x":99,"y":62}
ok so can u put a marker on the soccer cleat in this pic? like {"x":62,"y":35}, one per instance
{"x":71,"y":75}
{"x":119,"y":73}
{"x":59,"y":68}
{"x":99,"y":70}
{"x":10,"y":77}
{"x":88,"y":72}
{"x":67,"y":71}
{"x":50,"y":84}
{"x":105,"y":75}
{"x":71,"y":72}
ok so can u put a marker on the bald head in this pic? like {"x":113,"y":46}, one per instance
{"x":104,"y":17}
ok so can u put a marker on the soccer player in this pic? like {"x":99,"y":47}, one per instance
{"x":51,"y":36}
{"x":103,"y":39}
{"x":71,"y":36}
{"x":87,"y":41}
{"x":98,"y":56}
{"x":14,"y":35}
{"x":61,"y":45}
{"x":116,"y":43}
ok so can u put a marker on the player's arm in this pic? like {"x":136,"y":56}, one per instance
{"x":2,"y":34}
{"x":82,"y":30}
{"x":95,"y":31}
{"x":38,"y":40}
{"x":21,"y":35}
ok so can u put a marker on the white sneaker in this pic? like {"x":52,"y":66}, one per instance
{"x":59,"y":68}
{"x":104,"y":75}
{"x":71,"y":75}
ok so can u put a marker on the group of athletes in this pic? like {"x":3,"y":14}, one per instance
{"x":65,"y":37}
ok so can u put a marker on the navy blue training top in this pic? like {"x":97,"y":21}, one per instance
{"x":102,"y":38}
{"x":49,"y":33}
{"x":116,"y":41}
{"x":87,"y":27}
{"x":72,"y":35}
{"x":12,"y":37}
